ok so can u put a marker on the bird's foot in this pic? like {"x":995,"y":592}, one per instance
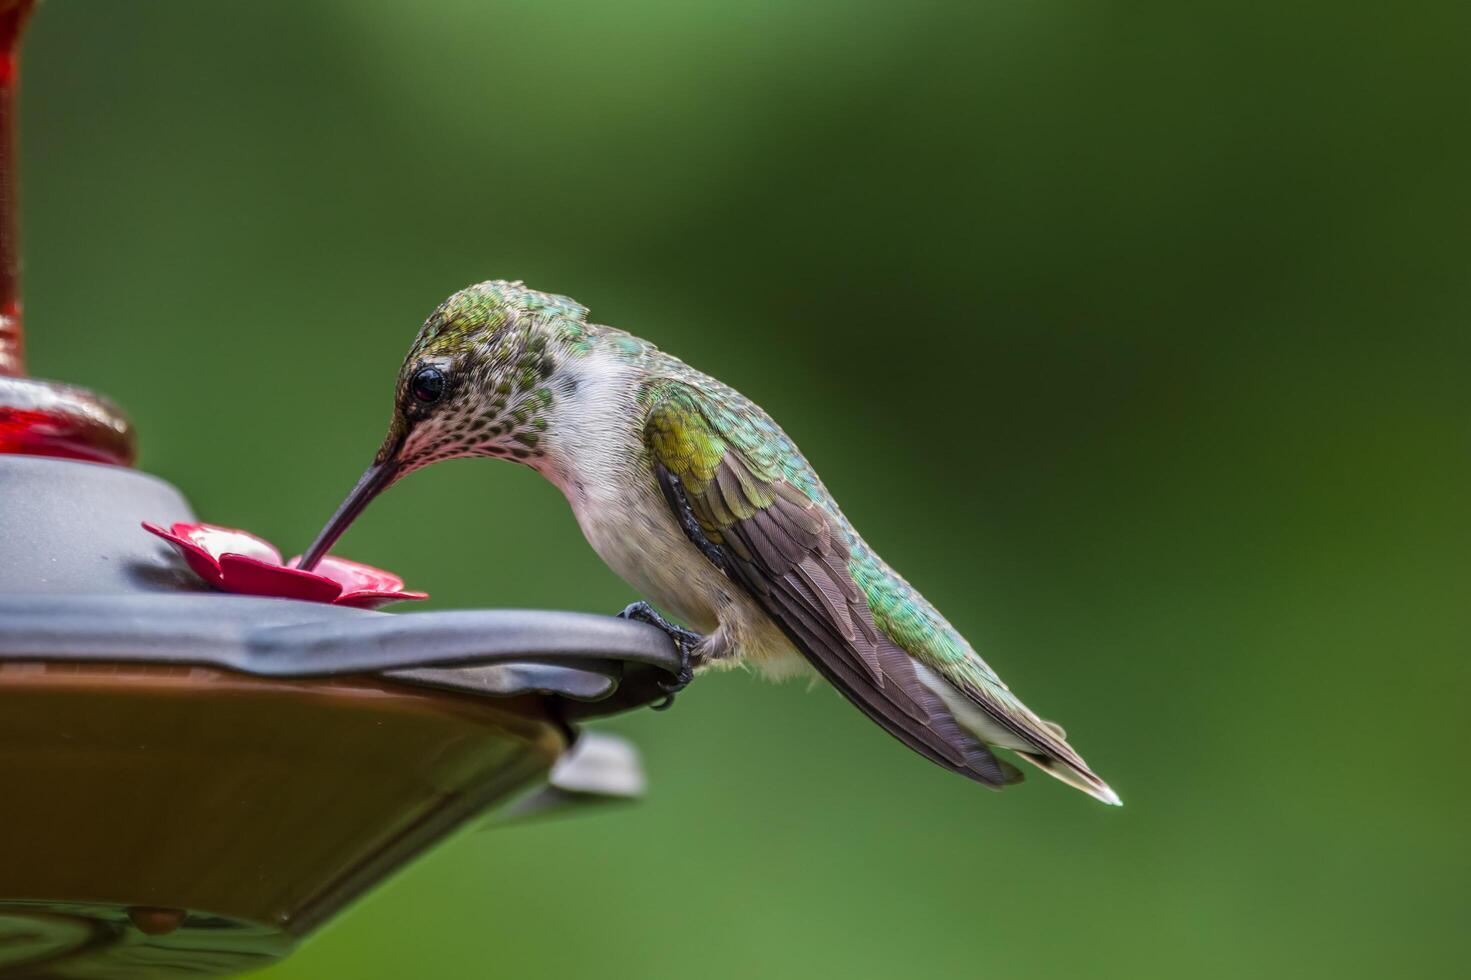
{"x":684,"y":641}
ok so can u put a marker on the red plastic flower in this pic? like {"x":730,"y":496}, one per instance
{"x":236,"y":561}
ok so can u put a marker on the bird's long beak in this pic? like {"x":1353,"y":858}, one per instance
{"x":377,"y":478}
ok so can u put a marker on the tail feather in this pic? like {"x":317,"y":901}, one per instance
{"x":1045,"y":745}
{"x":1082,"y":779}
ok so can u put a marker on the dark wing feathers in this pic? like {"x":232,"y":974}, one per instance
{"x":791,"y":556}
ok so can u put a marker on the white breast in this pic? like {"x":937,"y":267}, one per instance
{"x":595,"y":455}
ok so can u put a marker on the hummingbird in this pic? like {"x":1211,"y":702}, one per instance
{"x":692,"y":495}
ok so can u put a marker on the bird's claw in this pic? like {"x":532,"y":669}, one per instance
{"x":684,"y":641}
{"x":681,"y":679}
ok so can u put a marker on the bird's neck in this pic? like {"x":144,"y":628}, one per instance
{"x":593,"y":433}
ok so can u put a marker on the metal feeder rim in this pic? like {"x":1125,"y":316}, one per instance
{"x":580,"y":656}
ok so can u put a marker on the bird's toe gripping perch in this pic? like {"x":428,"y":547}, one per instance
{"x":684,"y":641}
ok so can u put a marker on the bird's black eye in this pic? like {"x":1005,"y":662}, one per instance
{"x":427,"y":385}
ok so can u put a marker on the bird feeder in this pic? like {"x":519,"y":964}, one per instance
{"x":194,"y":781}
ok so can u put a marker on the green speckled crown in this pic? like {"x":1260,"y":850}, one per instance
{"x":474,"y":315}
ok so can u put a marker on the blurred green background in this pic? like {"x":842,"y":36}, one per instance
{"x":1133,"y":334}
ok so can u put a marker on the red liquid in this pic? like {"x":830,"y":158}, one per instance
{"x":50,"y":434}
{"x":12,"y":350}
{"x":39,"y":418}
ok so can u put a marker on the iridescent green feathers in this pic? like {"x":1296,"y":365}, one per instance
{"x":766,"y":519}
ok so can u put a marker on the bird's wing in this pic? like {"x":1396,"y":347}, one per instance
{"x":751,"y":504}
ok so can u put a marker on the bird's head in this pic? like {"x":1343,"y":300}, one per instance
{"x":479,"y":380}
